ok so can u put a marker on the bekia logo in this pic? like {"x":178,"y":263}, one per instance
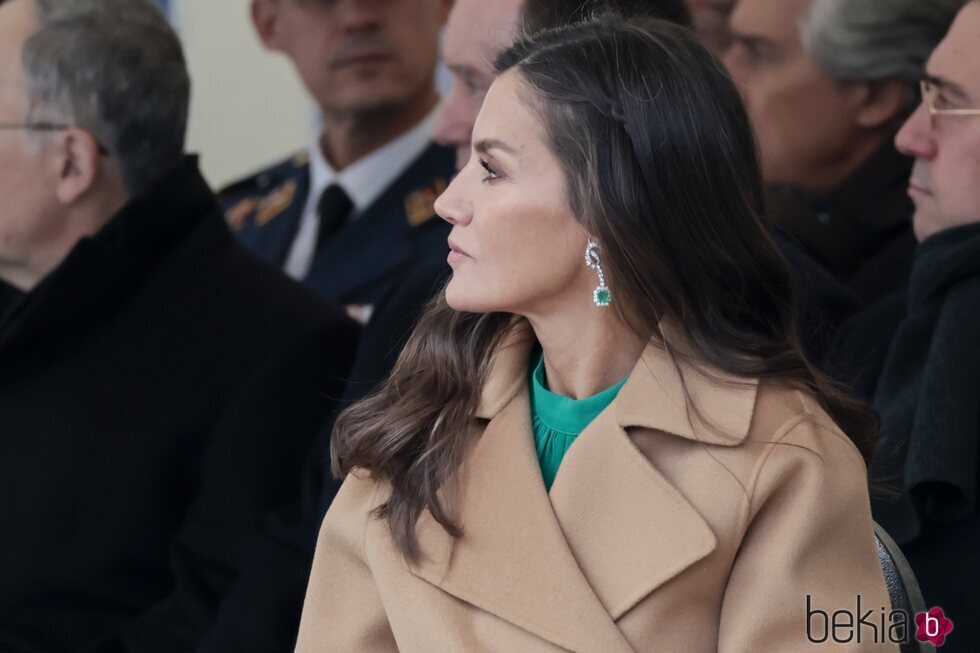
{"x":844,"y":626}
{"x":880,"y":626}
{"x":932,"y":626}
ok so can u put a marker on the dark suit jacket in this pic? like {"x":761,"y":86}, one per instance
{"x":825,"y":303}
{"x":369,"y":255}
{"x":158,"y":392}
{"x":8,"y":297}
{"x":261,"y":613}
{"x":860,"y":231}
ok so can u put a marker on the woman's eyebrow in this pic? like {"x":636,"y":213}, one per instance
{"x":484,"y":145}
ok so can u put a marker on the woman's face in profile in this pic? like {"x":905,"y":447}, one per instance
{"x":515,"y":245}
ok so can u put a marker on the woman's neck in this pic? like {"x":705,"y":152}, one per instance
{"x":586,"y":354}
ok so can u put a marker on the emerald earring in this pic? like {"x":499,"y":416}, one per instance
{"x":601,"y":296}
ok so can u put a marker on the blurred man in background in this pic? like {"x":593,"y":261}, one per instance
{"x":827,"y":84}
{"x":711,"y":22}
{"x":146,"y":359}
{"x":353,"y":213}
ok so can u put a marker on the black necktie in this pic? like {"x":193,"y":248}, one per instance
{"x":333,"y":209}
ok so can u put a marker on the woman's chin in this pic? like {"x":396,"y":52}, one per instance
{"x":467,"y":300}
{"x":462,"y":303}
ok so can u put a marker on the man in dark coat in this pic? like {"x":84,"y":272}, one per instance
{"x":352,"y":214}
{"x":917,"y":354}
{"x":261,"y":612}
{"x":159,"y":385}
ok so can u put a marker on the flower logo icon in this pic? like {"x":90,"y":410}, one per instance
{"x":932,"y":626}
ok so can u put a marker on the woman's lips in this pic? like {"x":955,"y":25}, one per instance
{"x":456,"y":253}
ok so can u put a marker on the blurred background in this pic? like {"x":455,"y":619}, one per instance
{"x":236,"y":86}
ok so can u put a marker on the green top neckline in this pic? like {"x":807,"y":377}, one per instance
{"x":563,"y":414}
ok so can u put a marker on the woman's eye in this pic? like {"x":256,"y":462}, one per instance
{"x":491,"y":173}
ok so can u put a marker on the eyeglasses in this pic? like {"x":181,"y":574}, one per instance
{"x":47,"y":127}
{"x":934,"y":101}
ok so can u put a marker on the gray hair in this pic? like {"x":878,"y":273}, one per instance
{"x":876,"y":39}
{"x":116,"y":69}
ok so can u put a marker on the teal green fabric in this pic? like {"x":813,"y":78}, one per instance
{"x":557,"y":420}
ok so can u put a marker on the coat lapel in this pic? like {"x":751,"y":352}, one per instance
{"x":375,"y":244}
{"x":273,"y":219}
{"x":630,"y":529}
{"x":386,"y":236}
{"x":513,"y":560}
{"x":567,"y":566}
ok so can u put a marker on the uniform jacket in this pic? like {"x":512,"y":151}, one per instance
{"x":159,"y":391}
{"x":660,"y":533}
{"x":361,"y":263}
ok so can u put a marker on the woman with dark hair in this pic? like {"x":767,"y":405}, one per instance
{"x":604,"y":434}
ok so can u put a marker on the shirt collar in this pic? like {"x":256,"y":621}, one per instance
{"x":560,"y":413}
{"x":368,"y":177}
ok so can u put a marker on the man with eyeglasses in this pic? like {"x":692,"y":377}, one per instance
{"x":922,"y":349}
{"x":159,"y":385}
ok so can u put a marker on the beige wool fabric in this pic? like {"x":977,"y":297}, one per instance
{"x":657,"y":535}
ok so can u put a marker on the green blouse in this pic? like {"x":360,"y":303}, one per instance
{"x":557,"y":420}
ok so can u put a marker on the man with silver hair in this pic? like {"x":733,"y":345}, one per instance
{"x":146,"y":359}
{"x":827,"y":84}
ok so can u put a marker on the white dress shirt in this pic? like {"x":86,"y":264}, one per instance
{"x":364,"y":181}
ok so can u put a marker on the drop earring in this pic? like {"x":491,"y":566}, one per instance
{"x":601,"y":296}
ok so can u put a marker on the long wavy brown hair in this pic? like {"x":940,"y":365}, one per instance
{"x":661,"y":167}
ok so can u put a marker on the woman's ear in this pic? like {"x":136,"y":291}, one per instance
{"x":76,"y":159}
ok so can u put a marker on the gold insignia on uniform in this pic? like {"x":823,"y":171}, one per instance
{"x":275,"y":203}
{"x":235,"y":216}
{"x":419,"y":204}
{"x":301,"y":158}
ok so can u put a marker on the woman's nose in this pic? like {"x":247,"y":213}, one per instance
{"x":451,"y":206}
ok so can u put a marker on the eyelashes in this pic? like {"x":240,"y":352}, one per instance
{"x":491,"y":173}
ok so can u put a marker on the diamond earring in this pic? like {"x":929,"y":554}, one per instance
{"x":601,"y":296}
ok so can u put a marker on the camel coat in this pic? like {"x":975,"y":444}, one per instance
{"x":661,"y":532}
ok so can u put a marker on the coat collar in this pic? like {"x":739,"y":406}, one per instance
{"x":715,"y":408}
{"x":101,"y":268}
{"x":566,"y":565}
